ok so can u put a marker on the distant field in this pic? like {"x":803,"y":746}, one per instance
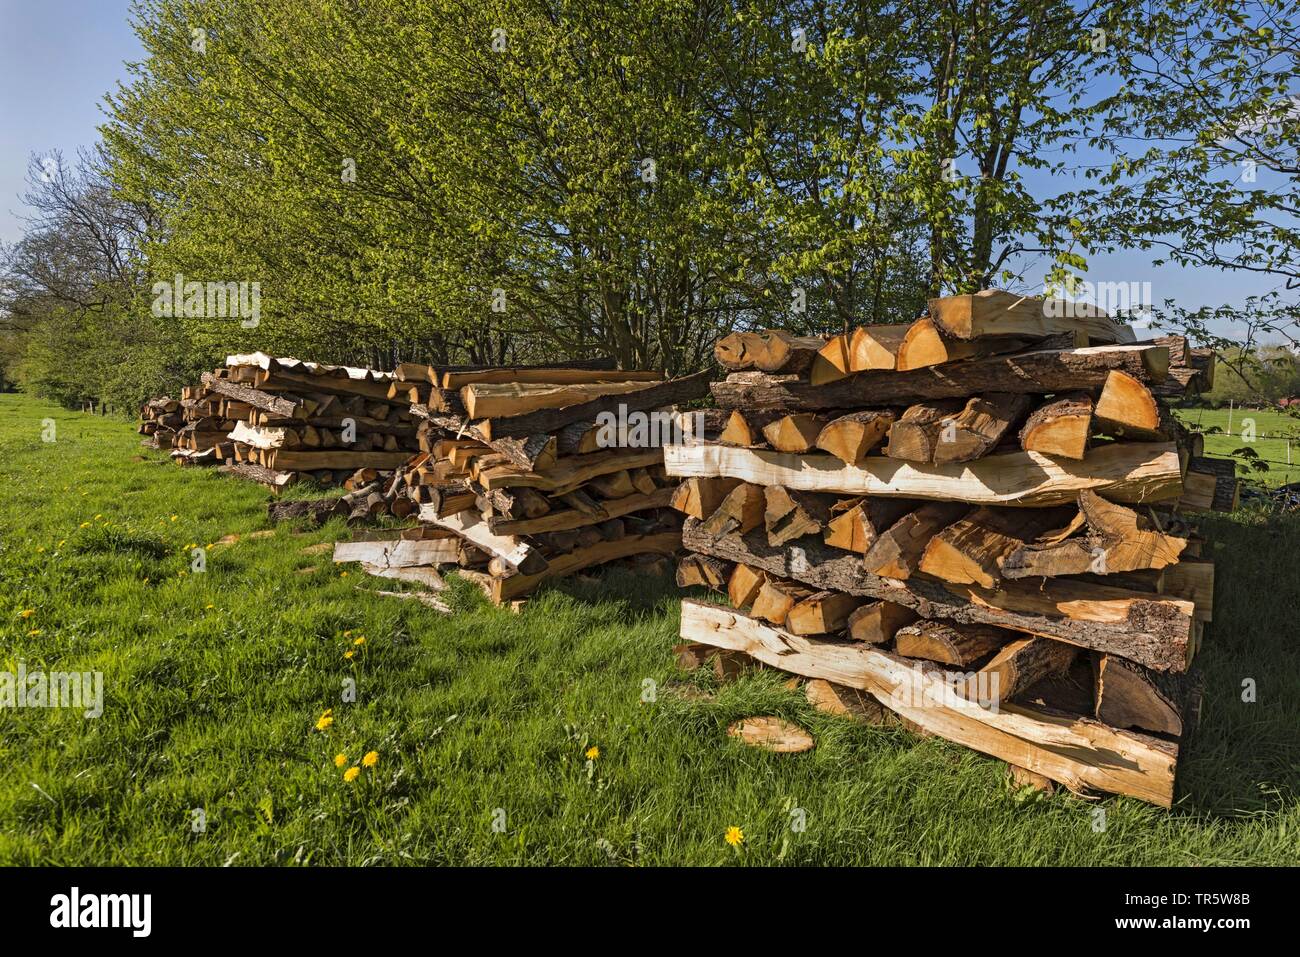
{"x":1270,"y":443}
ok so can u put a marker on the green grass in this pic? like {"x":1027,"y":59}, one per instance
{"x":214,"y":681}
{"x":1270,"y":442}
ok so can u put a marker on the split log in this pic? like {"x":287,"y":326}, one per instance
{"x":822,"y":613}
{"x":776,"y":598}
{"x":744,"y":585}
{"x":279,"y":405}
{"x":950,"y":643}
{"x":850,"y":437}
{"x":876,"y":347}
{"x":857,"y":523}
{"x":1128,"y":408}
{"x":877,"y":622}
{"x":1130,"y":696}
{"x":923,"y":346}
{"x":917,"y":432}
{"x":1060,"y":427}
{"x":745,"y":429}
{"x":789,"y":515}
{"x":740,"y":511}
{"x":794,"y":433}
{"x":993,"y":312}
{"x":1142,"y":627}
{"x":973,"y":549}
{"x":518,"y":503}
{"x":1122,"y":471}
{"x":1118,"y":540}
{"x":1016,"y":667}
{"x":700,"y":497}
{"x":896,"y":552}
{"x":832,"y":362}
{"x":547,"y":376}
{"x":399,"y":553}
{"x":1078,"y":752}
{"x":980,"y":426}
{"x":702,"y":570}
{"x":1043,"y":372}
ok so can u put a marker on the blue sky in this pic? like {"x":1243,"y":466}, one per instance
{"x":59,"y":57}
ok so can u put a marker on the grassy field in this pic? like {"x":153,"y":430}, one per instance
{"x":1269,"y":442}
{"x":215,"y":682}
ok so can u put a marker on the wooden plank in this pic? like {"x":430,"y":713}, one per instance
{"x":1081,"y":753}
{"x":504,"y":399}
{"x":1122,"y":471}
{"x":654,"y":396}
{"x":513,"y":552}
{"x":550,"y":376}
{"x":399,"y":553}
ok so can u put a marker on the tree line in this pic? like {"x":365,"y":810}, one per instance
{"x":522,"y":180}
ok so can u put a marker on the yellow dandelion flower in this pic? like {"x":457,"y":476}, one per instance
{"x":98,"y":517}
{"x":27,"y":613}
{"x":174,"y":518}
{"x":40,"y":548}
{"x":593,"y":753}
{"x":207,"y":607}
{"x":735,"y":836}
{"x":360,"y":641}
{"x":192,"y":545}
{"x":351,"y":774}
{"x":347,"y":655}
{"x":85,"y":525}
{"x":61,"y":544}
{"x":325,"y":720}
{"x":347,"y":633}
{"x":343,"y":574}
{"x":340,"y":760}
{"x":371,"y":759}
{"x":33,"y":632}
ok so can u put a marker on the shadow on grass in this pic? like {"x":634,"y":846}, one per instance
{"x":1245,"y":755}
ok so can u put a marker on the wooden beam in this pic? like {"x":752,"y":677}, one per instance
{"x":504,"y":399}
{"x":1122,"y":471}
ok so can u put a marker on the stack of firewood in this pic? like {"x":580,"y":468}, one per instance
{"x":534,"y":473}
{"x":160,"y":420}
{"x":280,"y":420}
{"x":977,"y":519}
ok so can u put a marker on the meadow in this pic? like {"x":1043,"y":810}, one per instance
{"x":1269,"y":440}
{"x":564,"y":735}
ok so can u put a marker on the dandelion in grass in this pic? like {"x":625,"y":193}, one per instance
{"x":348,"y":633}
{"x":340,"y":760}
{"x":27,"y":613}
{"x":593,"y":753}
{"x":174,"y":518}
{"x":360,"y":641}
{"x":85,"y":525}
{"x":371,"y":759}
{"x":33,"y":633}
{"x":348,"y":655}
{"x":351,"y":774}
{"x":62,"y":543}
{"x":208,"y":607}
{"x":343,"y":574}
{"x":325,"y":720}
{"x":735,"y":836}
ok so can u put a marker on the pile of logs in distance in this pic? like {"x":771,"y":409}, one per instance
{"x":279,"y":420}
{"x":978,"y":519}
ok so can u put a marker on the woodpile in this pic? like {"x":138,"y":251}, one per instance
{"x":979,"y":520}
{"x":529,"y":474}
{"x":277,"y":420}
